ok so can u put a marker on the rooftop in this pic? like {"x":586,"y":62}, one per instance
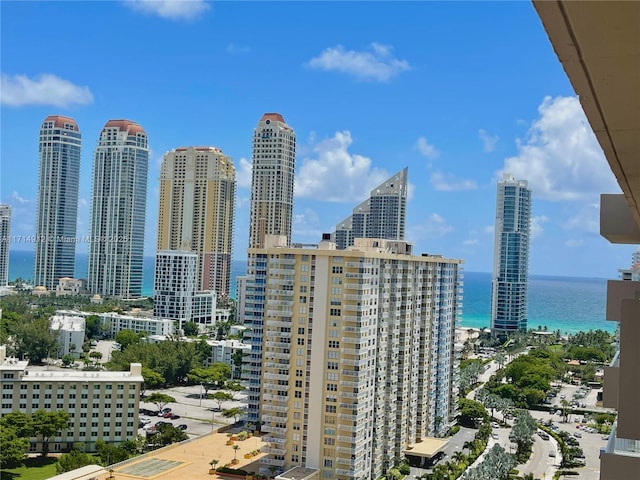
{"x":60,"y":121}
{"x":125,"y":126}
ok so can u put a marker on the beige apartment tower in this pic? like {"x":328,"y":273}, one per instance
{"x":196,"y":212}
{"x":272,"y":179}
{"x":358,"y":361}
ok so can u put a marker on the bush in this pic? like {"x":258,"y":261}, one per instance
{"x":404,"y":469}
{"x":232,"y":471}
{"x":242,"y":435}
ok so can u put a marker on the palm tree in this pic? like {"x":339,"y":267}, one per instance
{"x":565,"y":410}
{"x":459,"y":456}
{"x":235,"y":451}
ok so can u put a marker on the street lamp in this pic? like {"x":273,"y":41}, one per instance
{"x":201,"y":388}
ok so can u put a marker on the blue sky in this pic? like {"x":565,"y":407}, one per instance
{"x":456,"y":91}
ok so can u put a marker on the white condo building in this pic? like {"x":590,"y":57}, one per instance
{"x":57,"y":210}
{"x":102,"y":405}
{"x":5,"y":237}
{"x":511,"y":256}
{"x":358,"y":362}
{"x":118,"y":210}
{"x":70,"y":330}
{"x":196,"y":212}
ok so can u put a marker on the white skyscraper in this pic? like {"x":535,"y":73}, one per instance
{"x":57,"y":211}
{"x":5,"y":237}
{"x":174,"y":284}
{"x":118,"y":210}
{"x":272,"y":179}
{"x":511,"y":256}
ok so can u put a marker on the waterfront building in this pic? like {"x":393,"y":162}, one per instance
{"x":358,"y":363}
{"x":57,"y":209}
{"x":5,"y":238}
{"x":272,"y":179}
{"x":196,"y":212}
{"x":118,"y":210}
{"x":102,"y":405}
{"x":509,"y":285}
{"x":382,"y":215}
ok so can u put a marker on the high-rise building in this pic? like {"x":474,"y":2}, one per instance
{"x":272,"y":179}
{"x":382,"y":215}
{"x":5,"y":238}
{"x":197,"y":200}
{"x":511,"y":256}
{"x":118,"y":210}
{"x":358,"y":362}
{"x":174,"y":284}
{"x":57,"y":211}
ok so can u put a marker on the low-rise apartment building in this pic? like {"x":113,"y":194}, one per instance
{"x":102,"y":405}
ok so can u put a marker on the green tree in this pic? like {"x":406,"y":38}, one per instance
{"x":471,"y":413}
{"x":234,"y":412}
{"x":524,"y":426}
{"x":190,"y":329}
{"x":220,"y":397}
{"x":160,"y":400}
{"x":20,"y":422}
{"x":168,"y":434}
{"x":12,"y":447}
{"x":72,"y":460}
{"x":96,"y":357}
{"x":68,"y":360}
{"x":110,"y":453}
{"x":126,"y":338}
{"x":211,"y":377}
{"x":35,"y":341}
{"x":92,"y":327}
{"x":49,"y":424}
{"x":152,"y":379}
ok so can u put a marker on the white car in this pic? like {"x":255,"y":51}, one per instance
{"x":145,"y":420}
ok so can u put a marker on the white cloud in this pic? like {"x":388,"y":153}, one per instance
{"x":336,"y":175}
{"x":426,"y":149}
{"x":470,"y":242}
{"x":17,"y":198}
{"x":572,"y":243}
{"x":171,"y":9}
{"x":488,"y":141}
{"x":243,"y":173}
{"x":434,"y":226}
{"x":587,"y":219}
{"x":232,"y":48}
{"x":450,"y":183}
{"x":536,"y":225}
{"x":306,"y":226}
{"x":489,"y":229}
{"x":378,"y":64}
{"x":45,"y":89}
{"x":561,"y":157}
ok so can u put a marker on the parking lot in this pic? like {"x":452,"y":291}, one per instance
{"x":199,"y":415}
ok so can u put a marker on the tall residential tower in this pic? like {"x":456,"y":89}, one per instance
{"x":272,"y":178}
{"x":359,"y":362}
{"x":57,"y":211}
{"x":382,"y":215}
{"x":118,"y":210}
{"x":196,"y":212}
{"x":5,"y":237}
{"x":511,"y":256}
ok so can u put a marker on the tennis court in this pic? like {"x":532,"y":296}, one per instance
{"x":150,"y":467}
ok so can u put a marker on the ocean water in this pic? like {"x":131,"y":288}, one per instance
{"x":568,"y":304}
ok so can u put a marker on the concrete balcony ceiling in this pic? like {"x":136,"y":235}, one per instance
{"x":598,"y":44}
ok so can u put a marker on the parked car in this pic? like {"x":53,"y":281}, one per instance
{"x":145,"y":420}
{"x":165,"y":410}
{"x":494,"y":436}
{"x":182,"y":427}
{"x":161,"y":423}
{"x":167,"y":414}
{"x":577,"y":434}
{"x":552,"y":453}
{"x":174,"y":416}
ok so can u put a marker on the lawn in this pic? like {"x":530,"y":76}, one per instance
{"x":36,"y":468}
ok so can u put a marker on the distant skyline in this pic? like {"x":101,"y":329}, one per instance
{"x":457,"y":92}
